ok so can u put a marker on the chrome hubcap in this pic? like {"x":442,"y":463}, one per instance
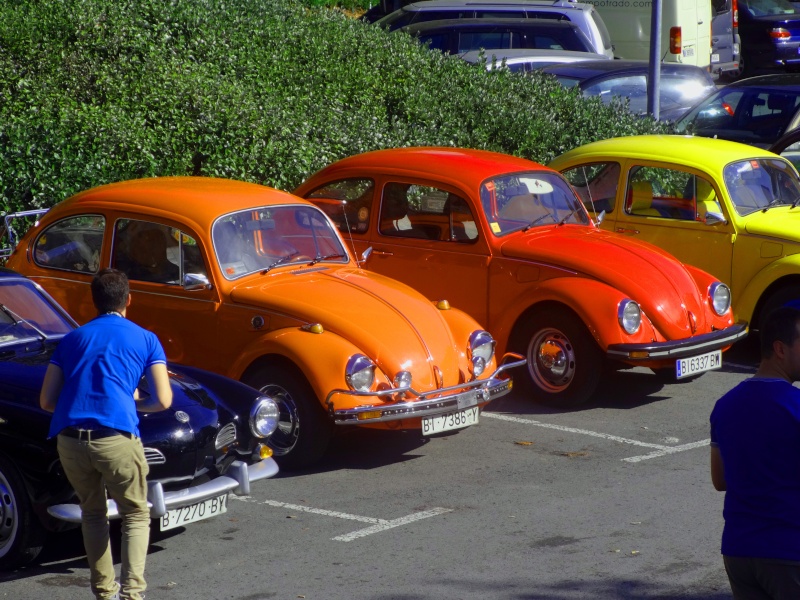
{"x":285,"y":437}
{"x":9,"y":517}
{"x":551,"y":360}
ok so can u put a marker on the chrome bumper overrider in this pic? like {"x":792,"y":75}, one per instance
{"x":679,"y":348}
{"x":425,"y":404}
{"x":236,"y":480}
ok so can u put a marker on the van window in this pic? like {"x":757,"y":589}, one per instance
{"x":601,"y":27}
{"x":720,"y":7}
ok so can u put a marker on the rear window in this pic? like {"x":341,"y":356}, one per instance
{"x":601,"y":27}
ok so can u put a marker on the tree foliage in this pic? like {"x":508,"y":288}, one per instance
{"x":94,"y":91}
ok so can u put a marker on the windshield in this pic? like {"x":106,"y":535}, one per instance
{"x":524,"y":200}
{"x":762,"y":8}
{"x":262,"y":238}
{"x":26,"y":314}
{"x":759,"y":184}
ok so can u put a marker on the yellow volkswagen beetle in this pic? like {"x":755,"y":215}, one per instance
{"x":728,"y":208}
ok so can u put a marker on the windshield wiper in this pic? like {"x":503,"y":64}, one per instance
{"x":772,"y":203}
{"x":564,"y":220}
{"x":319,"y":258}
{"x":17,"y":320}
{"x":795,"y":203}
{"x":280,"y":261}
{"x":537,"y":220}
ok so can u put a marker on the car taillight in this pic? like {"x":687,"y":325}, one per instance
{"x":675,"y":40}
{"x":779,"y":33}
{"x":735,"y":14}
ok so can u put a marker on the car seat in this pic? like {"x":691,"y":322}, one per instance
{"x":706,"y":199}
{"x":640,"y":200}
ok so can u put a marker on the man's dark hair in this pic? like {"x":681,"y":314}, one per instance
{"x":779,"y":326}
{"x":110,"y":290}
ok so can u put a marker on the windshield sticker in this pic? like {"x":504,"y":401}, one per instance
{"x":536,"y":186}
{"x":495,"y":227}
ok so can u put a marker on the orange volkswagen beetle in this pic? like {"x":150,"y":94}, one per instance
{"x":508,"y":241}
{"x":256,"y":284}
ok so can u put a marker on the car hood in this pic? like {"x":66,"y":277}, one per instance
{"x":388,"y":321}
{"x":780,"y":222}
{"x":662,"y":286}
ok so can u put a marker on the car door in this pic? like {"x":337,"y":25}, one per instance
{"x":167,"y":267}
{"x":679,"y":210}
{"x":427,"y":235}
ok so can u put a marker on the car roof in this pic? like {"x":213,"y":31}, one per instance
{"x":468,"y":166}
{"x":486,"y":23}
{"x":199,"y":199}
{"x":783,"y":80}
{"x":708,"y":153}
{"x":592,"y":68}
{"x":511,"y":4}
{"x":520,"y":54}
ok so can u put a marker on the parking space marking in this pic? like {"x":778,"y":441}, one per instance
{"x":378,"y":524}
{"x":660,"y":449}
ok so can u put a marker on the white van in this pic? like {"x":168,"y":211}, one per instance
{"x":685,"y":29}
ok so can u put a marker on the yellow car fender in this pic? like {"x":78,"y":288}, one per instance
{"x":754,"y":291}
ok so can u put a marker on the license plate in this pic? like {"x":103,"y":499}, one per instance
{"x":457,"y":419}
{"x":714,"y":58}
{"x":686,"y":367}
{"x":178,"y":517}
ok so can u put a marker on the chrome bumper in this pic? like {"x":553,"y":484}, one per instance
{"x":236,"y":480}
{"x":679,"y":348}
{"x":425,"y":404}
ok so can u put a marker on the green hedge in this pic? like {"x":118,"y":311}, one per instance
{"x":93,"y":91}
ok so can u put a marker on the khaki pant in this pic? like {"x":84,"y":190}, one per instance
{"x":116,"y":463}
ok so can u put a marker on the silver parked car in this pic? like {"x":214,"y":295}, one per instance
{"x":524,"y":60}
{"x":583,"y":15}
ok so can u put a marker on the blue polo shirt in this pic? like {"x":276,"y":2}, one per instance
{"x":102,"y":363}
{"x":757,"y":429}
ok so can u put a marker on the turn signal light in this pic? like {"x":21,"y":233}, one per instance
{"x":264,"y":451}
{"x":639,"y":354}
{"x":373,"y":414}
{"x":675,"y":40}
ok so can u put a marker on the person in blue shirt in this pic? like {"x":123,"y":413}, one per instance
{"x":91,"y":388}
{"x":755,"y":460}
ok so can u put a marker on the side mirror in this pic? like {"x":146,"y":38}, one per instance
{"x":195,"y":281}
{"x":600,"y":218}
{"x":365,"y":255}
{"x":714,"y":218}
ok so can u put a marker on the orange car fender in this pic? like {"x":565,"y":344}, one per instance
{"x":749,"y":298}
{"x":594,"y":302}
{"x":462,"y":326}
{"x":704,"y":281}
{"x":322,"y":357}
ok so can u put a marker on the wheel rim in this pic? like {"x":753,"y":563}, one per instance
{"x":551,"y":360}
{"x":9,"y":515}
{"x":287,"y":433}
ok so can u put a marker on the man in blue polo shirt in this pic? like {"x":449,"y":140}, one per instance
{"x":755,"y":459}
{"x":91,"y":387}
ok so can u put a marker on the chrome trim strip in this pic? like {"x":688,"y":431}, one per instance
{"x":680,"y":348}
{"x":435,"y":402}
{"x":237,"y":480}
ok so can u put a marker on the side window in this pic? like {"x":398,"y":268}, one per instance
{"x":596,"y":185}
{"x":475,"y":40}
{"x":152,"y":252}
{"x":664,"y":193}
{"x":424,"y":212}
{"x":347,"y":202}
{"x":72,"y":244}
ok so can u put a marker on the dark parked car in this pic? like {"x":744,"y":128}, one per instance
{"x":462,"y":35}
{"x":682,"y":86}
{"x":756,"y":111}
{"x":770,"y":36}
{"x":788,"y":146}
{"x":209,"y":444}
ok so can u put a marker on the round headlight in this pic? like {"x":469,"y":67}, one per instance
{"x":264,"y":416}
{"x":629,"y":316}
{"x":360,"y":373}
{"x":481,"y":350}
{"x":720,"y":295}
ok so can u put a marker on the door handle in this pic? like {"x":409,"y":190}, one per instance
{"x":383,"y":253}
{"x":627,"y":231}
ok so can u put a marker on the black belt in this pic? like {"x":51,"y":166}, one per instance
{"x":93,"y":434}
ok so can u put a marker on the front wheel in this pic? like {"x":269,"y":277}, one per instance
{"x":778,"y":298}
{"x":564,"y":361}
{"x":304,"y":429}
{"x":21,"y":534}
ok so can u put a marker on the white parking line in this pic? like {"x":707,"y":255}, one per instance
{"x":660,"y":450}
{"x":378,"y":524}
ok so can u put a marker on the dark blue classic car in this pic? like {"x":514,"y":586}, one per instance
{"x":209,"y":444}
